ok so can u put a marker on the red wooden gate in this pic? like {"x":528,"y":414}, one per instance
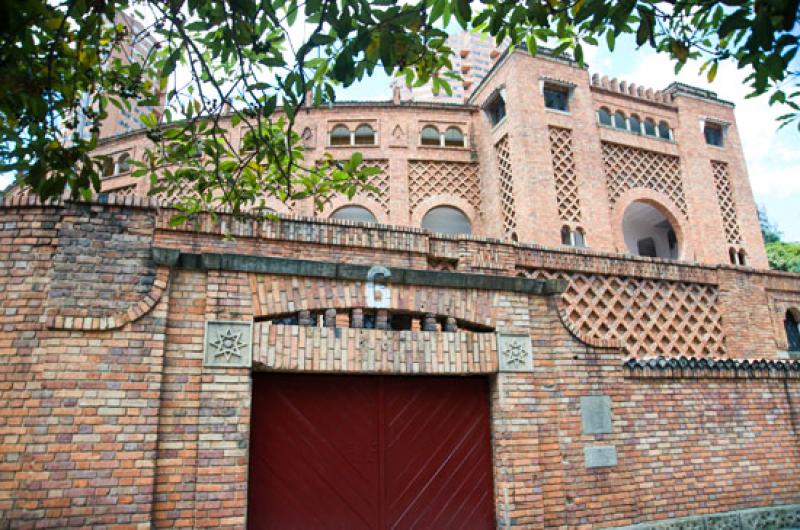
{"x":353,"y":452}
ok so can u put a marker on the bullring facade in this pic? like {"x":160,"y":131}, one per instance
{"x":570,"y":268}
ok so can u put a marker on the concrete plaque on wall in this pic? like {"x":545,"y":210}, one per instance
{"x":228,"y":344}
{"x":515,"y":352}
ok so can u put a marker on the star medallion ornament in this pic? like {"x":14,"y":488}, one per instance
{"x":229,"y":344}
{"x":516,"y":355}
{"x":515,"y":352}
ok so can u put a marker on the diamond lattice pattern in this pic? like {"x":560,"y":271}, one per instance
{"x":648,"y":316}
{"x":379,"y":181}
{"x":427,"y":178}
{"x":727,"y":206}
{"x":630,"y":167}
{"x":503,"y":153}
{"x":569,"y":205}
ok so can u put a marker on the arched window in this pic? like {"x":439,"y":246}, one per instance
{"x":573,"y":237}
{"x":663,"y":130}
{"x":365,"y":135}
{"x":634,"y":124}
{"x":792,"y":330}
{"x":579,"y":239}
{"x":619,"y":120}
{"x":565,"y":235}
{"x":108,"y":167}
{"x":649,"y":127}
{"x":354,"y":213}
{"x":453,"y":137}
{"x":733,"y":256}
{"x":429,"y":136}
{"x":742,"y":257}
{"x":648,"y":232}
{"x":124,"y":163}
{"x":340,"y":135}
{"x":446,"y":220}
{"x":604,"y":116}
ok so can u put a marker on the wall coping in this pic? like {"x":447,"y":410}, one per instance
{"x":746,"y":519}
{"x":527,"y":254}
{"x":702,"y":367}
{"x":343,"y":271}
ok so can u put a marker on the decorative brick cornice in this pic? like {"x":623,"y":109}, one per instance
{"x":119,"y":319}
{"x":693,"y":367}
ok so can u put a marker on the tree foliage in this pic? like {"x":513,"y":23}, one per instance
{"x":781,"y":255}
{"x":254,"y":64}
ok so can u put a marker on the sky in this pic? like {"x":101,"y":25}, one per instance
{"x":772,"y":156}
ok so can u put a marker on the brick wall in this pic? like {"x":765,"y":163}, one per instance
{"x":124,"y":426}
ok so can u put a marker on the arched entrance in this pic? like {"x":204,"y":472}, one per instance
{"x":648,"y":232}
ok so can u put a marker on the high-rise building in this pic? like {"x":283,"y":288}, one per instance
{"x":473,"y":57}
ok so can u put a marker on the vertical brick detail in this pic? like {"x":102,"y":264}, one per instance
{"x":503,"y":154}
{"x":176,"y":461}
{"x":727,"y":204}
{"x":647,"y":316}
{"x":628,"y":167}
{"x":569,"y":205}
{"x":427,"y":178}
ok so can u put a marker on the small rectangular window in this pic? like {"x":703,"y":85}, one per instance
{"x":713,"y":134}
{"x":556,"y":98}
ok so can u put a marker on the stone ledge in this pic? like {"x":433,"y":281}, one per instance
{"x":772,"y":518}
{"x":694,"y":367}
{"x":343,"y":271}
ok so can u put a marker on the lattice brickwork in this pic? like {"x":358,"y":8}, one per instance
{"x":503,"y":153}
{"x":428,"y":177}
{"x":629,"y":167}
{"x":380,"y":181}
{"x":124,"y":190}
{"x":569,"y":205}
{"x":649,"y":317}
{"x":727,"y":205}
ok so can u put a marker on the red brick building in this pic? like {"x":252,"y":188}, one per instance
{"x":596,"y":343}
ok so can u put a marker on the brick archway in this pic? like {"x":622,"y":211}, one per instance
{"x":664,"y":205}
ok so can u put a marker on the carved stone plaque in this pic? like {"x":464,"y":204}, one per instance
{"x":515,"y":352}
{"x":228,"y":344}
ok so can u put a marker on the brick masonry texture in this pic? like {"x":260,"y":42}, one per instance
{"x":112,"y":420}
{"x":125,"y":427}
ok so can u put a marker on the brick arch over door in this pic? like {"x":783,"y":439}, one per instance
{"x":273,"y":295}
{"x":663,"y":204}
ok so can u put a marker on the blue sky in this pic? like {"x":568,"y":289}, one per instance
{"x":773,"y":157}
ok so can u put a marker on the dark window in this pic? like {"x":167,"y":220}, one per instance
{"x":496,"y":109}
{"x":565,"y":236}
{"x":619,"y":120}
{"x":453,"y":137}
{"x":713,"y":134}
{"x":663,"y":130}
{"x":792,"y":331}
{"x":634,"y":124}
{"x":646,"y":247}
{"x":365,"y":135}
{"x":429,"y":135}
{"x":649,"y":127}
{"x":604,"y":117}
{"x":742,"y":257}
{"x":733,"y":256}
{"x":340,"y":135}
{"x":556,"y":97}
